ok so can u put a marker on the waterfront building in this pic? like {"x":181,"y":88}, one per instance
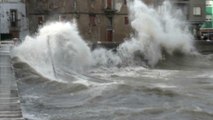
{"x":98,"y":20}
{"x":102,"y":20}
{"x":206,"y":30}
{"x":209,"y":10}
{"x":13,"y":21}
{"x":193,"y":12}
{"x":209,"y":14}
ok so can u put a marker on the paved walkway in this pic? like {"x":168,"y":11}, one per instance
{"x":9,"y":100}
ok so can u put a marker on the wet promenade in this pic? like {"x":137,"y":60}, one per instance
{"x":9,"y":99}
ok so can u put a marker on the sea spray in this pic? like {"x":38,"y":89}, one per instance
{"x":68,"y":49}
{"x":160,"y":29}
{"x":156,"y":31}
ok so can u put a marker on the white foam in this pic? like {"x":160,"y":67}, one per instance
{"x":155,"y":30}
{"x":160,"y":85}
{"x":68,"y":49}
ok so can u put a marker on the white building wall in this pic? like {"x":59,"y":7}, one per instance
{"x":5,"y":8}
{"x":4,"y":20}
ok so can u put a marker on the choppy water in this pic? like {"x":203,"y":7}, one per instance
{"x":184,"y":92}
{"x":156,"y":74}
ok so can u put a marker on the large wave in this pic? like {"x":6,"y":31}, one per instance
{"x":58,"y":44}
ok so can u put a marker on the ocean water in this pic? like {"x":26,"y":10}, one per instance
{"x":173,"y":91}
{"x":156,"y":74}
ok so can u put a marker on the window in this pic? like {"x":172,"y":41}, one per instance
{"x":92,"y":21}
{"x":197,"y":11}
{"x":62,"y":18}
{"x":208,"y":17}
{"x":40,"y":20}
{"x":109,"y":35}
{"x":109,"y":4}
{"x":124,"y":2}
{"x":209,"y":3}
{"x":75,"y":4}
{"x":13,"y":18}
{"x":126,"y":20}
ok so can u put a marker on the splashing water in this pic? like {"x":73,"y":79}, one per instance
{"x":68,"y":49}
{"x":155,"y":31}
{"x":160,"y":30}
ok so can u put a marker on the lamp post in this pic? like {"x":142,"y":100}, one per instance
{"x":209,"y":22}
{"x":0,"y":27}
{"x":0,"y":23}
{"x":51,"y":57}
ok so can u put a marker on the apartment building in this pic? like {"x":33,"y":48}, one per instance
{"x":98,"y":20}
{"x":13,"y":21}
{"x":102,"y":20}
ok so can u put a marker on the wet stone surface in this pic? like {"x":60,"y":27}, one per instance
{"x":9,"y":99}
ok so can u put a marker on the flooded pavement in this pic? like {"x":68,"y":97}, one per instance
{"x":10,"y":107}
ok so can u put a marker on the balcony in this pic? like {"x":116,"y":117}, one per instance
{"x":109,"y":12}
{"x":109,"y":8}
{"x":16,"y":26}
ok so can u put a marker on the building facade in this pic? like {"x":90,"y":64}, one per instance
{"x":209,"y":14}
{"x":102,"y":20}
{"x":193,"y":11}
{"x":209,"y":10}
{"x":98,"y":20}
{"x":13,"y":20}
{"x":206,"y":30}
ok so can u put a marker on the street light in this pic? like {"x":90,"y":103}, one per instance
{"x":209,"y":22}
{"x":0,"y":23}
